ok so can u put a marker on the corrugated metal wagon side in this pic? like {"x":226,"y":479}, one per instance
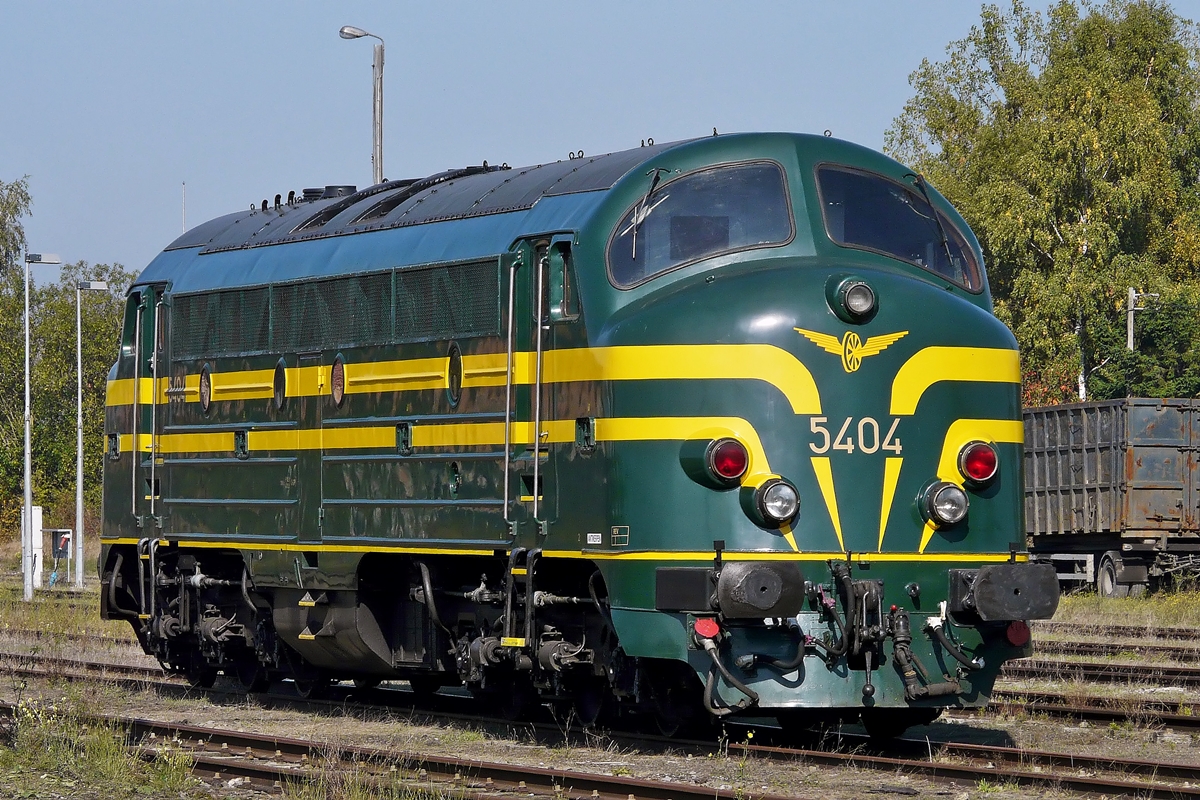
{"x":1111,"y":493}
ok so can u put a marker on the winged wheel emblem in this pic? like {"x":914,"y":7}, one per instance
{"x":851,"y":347}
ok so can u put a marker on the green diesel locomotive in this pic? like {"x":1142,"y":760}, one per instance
{"x":723,"y":426}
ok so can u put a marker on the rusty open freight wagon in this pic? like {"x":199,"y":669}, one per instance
{"x":1112,"y":491}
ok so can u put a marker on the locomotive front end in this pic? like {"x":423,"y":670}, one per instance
{"x":835,"y":532}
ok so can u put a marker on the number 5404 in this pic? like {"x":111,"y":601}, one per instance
{"x":865,"y":435}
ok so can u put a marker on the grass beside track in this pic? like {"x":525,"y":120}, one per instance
{"x":49,"y":750}
{"x":1166,"y":609}
{"x":55,"y":612}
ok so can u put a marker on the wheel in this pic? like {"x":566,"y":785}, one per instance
{"x":888,"y":723}
{"x":200,"y":675}
{"x":519,"y":701}
{"x":312,"y":687}
{"x":1106,"y":578}
{"x":252,"y":675}
{"x":424,"y":687}
{"x":590,"y":702}
{"x":806,"y":726}
{"x":677,"y":702}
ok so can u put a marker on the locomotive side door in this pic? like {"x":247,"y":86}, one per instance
{"x":533,"y":477}
{"x":149,"y":359}
{"x":309,"y":453}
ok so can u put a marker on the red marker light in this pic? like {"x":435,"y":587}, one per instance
{"x":728,"y":459}
{"x":707,"y":628}
{"x":978,"y":462}
{"x":1017,"y":633}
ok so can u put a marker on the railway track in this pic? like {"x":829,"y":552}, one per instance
{"x":1172,"y":715}
{"x":269,"y":760}
{"x":1182,"y":717}
{"x":1101,"y":672}
{"x":1073,"y":629}
{"x":1128,"y":650}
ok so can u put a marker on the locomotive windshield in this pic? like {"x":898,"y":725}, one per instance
{"x":875,"y":213}
{"x":699,"y":215}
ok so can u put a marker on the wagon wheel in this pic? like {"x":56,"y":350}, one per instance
{"x":1106,"y":578}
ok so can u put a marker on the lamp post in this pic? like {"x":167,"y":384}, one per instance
{"x":27,"y":510}
{"x":351,"y":32}
{"x":80,"y":288}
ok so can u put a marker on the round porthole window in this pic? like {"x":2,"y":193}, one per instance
{"x":205,"y":389}
{"x":280,"y":385}
{"x":337,"y":381}
{"x":454,"y":374}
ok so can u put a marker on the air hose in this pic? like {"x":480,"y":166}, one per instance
{"x":112,"y":590}
{"x":751,"y":660}
{"x":934,"y":626}
{"x":751,"y":697}
{"x":427,"y":590}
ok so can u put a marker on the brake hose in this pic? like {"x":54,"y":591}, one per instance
{"x":750,"y":660}
{"x":751,"y":697}
{"x":430,"y":605}
{"x":934,"y":626}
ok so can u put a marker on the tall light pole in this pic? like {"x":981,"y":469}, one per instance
{"x":80,"y":288}
{"x":351,"y":32}
{"x":1130,"y":308}
{"x":27,"y":510}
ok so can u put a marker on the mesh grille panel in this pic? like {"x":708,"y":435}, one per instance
{"x":220,"y":324}
{"x":360,"y":309}
{"x":440,"y":302}
{"x":447,"y":301}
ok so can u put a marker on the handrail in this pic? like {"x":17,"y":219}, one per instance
{"x":137,"y":405}
{"x":154,"y":404}
{"x":542,"y":263}
{"x":508,"y":385}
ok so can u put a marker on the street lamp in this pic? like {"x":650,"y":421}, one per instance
{"x":80,"y":288}
{"x":27,"y":510}
{"x":351,"y":32}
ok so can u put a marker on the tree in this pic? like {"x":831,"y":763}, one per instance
{"x":14,"y":204}
{"x":1070,"y":142}
{"x":52,"y":372}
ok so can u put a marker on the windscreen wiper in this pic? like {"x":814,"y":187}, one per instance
{"x":642,"y":211}
{"x":937,"y":218}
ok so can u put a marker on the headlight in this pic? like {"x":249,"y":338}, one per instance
{"x":778,"y":501}
{"x":945,"y":503}
{"x":859,"y":298}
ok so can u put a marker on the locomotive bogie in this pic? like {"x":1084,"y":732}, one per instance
{"x":681,"y":432}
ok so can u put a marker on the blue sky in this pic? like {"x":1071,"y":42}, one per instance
{"x":109,"y":107}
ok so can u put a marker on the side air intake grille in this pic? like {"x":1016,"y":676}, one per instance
{"x":446,"y":301}
{"x":220,"y":324}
